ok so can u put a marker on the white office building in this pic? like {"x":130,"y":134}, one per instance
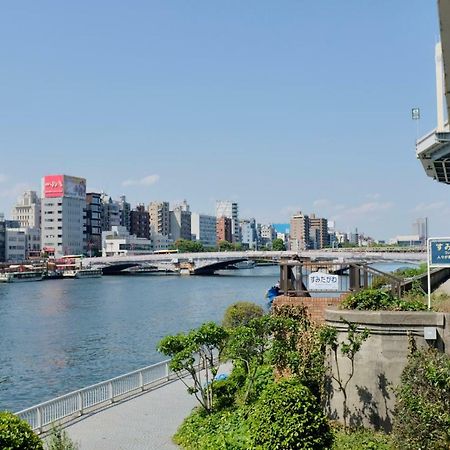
{"x":28,"y":210}
{"x":63,"y":215}
{"x":203,"y":229}
{"x":119,"y":242}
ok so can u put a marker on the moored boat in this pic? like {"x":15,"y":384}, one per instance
{"x":83,"y":273}
{"x":18,"y":277}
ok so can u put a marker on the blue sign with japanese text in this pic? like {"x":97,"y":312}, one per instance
{"x":440,"y":253}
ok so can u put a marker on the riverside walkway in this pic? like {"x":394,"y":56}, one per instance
{"x":145,"y":422}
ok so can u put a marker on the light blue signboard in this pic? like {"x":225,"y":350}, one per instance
{"x":439,"y":252}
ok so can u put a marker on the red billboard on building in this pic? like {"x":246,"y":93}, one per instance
{"x":64,"y":186}
{"x":53,"y":186}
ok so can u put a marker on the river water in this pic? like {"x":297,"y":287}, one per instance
{"x":61,"y":335}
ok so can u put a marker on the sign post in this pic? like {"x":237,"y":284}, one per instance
{"x":438,"y":255}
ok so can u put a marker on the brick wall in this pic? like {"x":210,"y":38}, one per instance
{"x":316,"y":305}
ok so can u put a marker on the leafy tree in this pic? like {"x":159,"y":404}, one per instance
{"x":297,"y":347}
{"x":241,"y":313}
{"x":278,"y":245}
{"x":247,"y":346}
{"x":186,"y":246}
{"x":288,"y":416}
{"x":225,"y":246}
{"x":207,"y":343}
{"x":348,"y":349}
{"x":16,"y":434}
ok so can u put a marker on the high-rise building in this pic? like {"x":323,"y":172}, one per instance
{"x":299,"y":232}
{"x":139,"y":222}
{"x":249,"y":234}
{"x":63,"y":214}
{"x":203,"y":229}
{"x":28,"y":210}
{"x":180,"y":222}
{"x":124,"y":212}
{"x":420,"y":228}
{"x":159,"y":218}
{"x":225,"y":208}
{"x":110,"y":213}
{"x":93,"y":223}
{"x":2,"y":239}
{"x":319,"y":231}
{"x":224,"y":229}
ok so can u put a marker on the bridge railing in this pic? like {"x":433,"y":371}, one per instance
{"x":69,"y":406}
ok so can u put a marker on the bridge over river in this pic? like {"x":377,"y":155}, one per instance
{"x":210,"y":262}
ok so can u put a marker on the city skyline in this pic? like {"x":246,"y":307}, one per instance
{"x":204,"y":103}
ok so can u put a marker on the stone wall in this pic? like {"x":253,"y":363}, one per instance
{"x":380,"y":362}
{"x":316,"y":305}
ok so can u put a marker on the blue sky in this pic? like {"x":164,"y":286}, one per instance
{"x":279,"y":105}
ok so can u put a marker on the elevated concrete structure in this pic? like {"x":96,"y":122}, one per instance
{"x":380,"y":362}
{"x":433,"y":149}
{"x":203,"y":263}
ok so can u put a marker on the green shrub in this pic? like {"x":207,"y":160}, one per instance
{"x":361,"y":439}
{"x":224,"y":430}
{"x":241,"y":313}
{"x":16,"y":434}
{"x":288,"y":416}
{"x":422,"y":413}
{"x":378,"y":299}
{"x":60,"y":440}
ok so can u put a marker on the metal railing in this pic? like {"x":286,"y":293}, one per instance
{"x":69,"y":406}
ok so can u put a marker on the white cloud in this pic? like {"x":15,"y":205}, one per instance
{"x":321,"y":203}
{"x":146,"y":181}
{"x":370,"y":207}
{"x":429,"y":207}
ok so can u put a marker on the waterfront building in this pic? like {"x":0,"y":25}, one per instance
{"x":160,"y":242}
{"x":299,"y":232}
{"x":159,"y":218}
{"x":267,"y":233}
{"x":33,"y":242}
{"x":110,"y":212}
{"x":15,"y":243}
{"x":63,"y":214}
{"x":203,"y":229}
{"x":226,"y":208}
{"x":319,"y":229}
{"x":124,"y":212}
{"x":420,"y":228}
{"x":224,"y":229}
{"x":28,"y":210}
{"x":139,"y":222}
{"x":249,"y":234}
{"x":180,"y":222}
{"x":2,"y":239}
{"x":93,"y":223}
{"x":119,"y":242}
{"x":353,"y":238}
{"x":341,"y":238}
{"x":410,"y":240}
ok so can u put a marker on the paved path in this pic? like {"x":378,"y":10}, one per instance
{"x":146,"y":422}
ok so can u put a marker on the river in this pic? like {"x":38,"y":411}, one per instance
{"x":61,"y":335}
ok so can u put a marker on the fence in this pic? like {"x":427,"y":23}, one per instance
{"x":41,"y":417}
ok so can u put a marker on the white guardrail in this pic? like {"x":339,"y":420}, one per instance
{"x":69,"y":406}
